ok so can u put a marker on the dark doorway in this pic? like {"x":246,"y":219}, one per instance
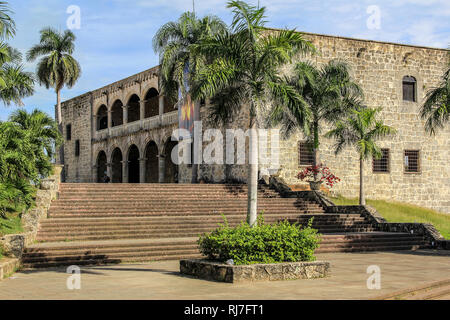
{"x":101,"y":167}
{"x":133,"y":164}
{"x":151,"y":165}
{"x":171,"y":169}
{"x":116,"y":161}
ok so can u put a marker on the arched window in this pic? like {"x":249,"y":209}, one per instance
{"x":409,"y":88}
{"x":102,"y":118}
{"x":117,"y":113}
{"x":151,"y":103}
{"x":134,"y":109}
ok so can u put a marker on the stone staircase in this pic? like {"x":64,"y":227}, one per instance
{"x":113,"y":223}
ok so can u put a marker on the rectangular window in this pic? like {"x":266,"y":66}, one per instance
{"x":77,"y":148}
{"x":408,"y":92}
{"x":412,"y":163}
{"x":305,"y":154}
{"x":68,"y":132}
{"x":382,"y":164}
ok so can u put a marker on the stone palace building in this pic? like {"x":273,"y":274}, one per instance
{"x":124,"y":129}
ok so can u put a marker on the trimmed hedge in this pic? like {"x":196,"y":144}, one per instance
{"x":265,"y":243}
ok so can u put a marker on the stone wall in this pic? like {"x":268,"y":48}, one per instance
{"x":379,"y":69}
{"x":14,"y":244}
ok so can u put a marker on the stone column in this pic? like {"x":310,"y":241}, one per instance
{"x":109,"y":121}
{"x":109,"y":171}
{"x":161,"y":108}
{"x":161,"y":168}
{"x":125,"y":114}
{"x":95,"y":173}
{"x":142,"y":109}
{"x":124,"y":171}
{"x":142,"y":112}
{"x":142,"y":170}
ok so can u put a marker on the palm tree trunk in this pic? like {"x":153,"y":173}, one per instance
{"x":252,"y":181}
{"x":60,"y":128}
{"x":316,"y":160}
{"x":58,"y":107}
{"x":362,"y":200}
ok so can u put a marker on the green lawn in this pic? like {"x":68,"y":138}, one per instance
{"x":11,"y":225}
{"x":402,"y":212}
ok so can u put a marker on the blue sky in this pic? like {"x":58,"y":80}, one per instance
{"x":114,"y":40}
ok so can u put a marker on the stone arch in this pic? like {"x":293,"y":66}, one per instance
{"x":102,"y":118}
{"x":134,"y":108}
{"x":116,"y":166}
{"x":133,"y":168}
{"x":170,"y":168}
{"x":101,"y":164}
{"x":151,"y":103}
{"x":169,"y":105}
{"x":117,"y":113}
{"x":151,"y":163}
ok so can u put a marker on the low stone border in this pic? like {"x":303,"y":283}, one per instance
{"x":8,"y":266}
{"x":218,"y":271}
{"x":424,"y":229}
{"x":14,"y":244}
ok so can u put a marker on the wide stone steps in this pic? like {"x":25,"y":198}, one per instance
{"x":120,"y":251}
{"x":158,"y":234}
{"x":92,"y":224}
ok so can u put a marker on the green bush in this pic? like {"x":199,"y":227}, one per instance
{"x":265,"y":243}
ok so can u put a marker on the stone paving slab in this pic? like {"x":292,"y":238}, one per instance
{"x":161,"y":280}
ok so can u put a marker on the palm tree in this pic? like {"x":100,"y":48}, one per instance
{"x":328,"y":93}
{"x":57,"y":68}
{"x":174,"y":42}
{"x":436,"y":108}
{"x":360,"y":130}
{"x":15,"y":83}
{"x":42,"y":132}
{"x":244,"y":72}
{"x":7,"y":24}
{"x":27,"y":143}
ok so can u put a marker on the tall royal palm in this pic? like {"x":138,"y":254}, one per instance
{"x":328,"y":92}
{"x":244,"y":72}
{"x":57,"y":68}
{"x":361,"y":130}
{"x":436,"y":108}
{"x":174,"y":42}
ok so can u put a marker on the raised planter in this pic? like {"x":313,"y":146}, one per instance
{"x":218,"y":271}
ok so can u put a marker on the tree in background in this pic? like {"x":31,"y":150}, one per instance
{"x":27,"y":142}
{"x":174,"y":42}
{"x":328,"y":93}
{"x":57,"y":68}
{"x":15,"y":83}
{"x":243,"y":71}
{"x":361,"y":130}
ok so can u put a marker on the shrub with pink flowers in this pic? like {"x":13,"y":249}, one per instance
{"x":322,"y":174}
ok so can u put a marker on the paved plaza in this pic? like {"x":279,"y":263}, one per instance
{"x":161,"y":280}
